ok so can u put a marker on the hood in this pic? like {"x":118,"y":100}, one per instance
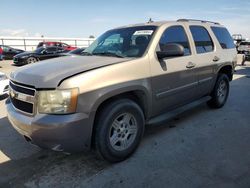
{"x":49,"y":73}
{"x":23,"y":54}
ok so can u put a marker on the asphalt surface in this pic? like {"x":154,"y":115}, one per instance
{"x":200,"y":148}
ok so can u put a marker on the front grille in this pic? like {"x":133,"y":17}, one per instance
{"x":22,"y":89}
{"x":22,"y":97}
{"x":21,"y":105}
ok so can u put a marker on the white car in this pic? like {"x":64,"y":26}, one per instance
{"x":4,"y":84}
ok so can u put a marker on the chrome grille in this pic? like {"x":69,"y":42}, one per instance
{"x":22,"y":97}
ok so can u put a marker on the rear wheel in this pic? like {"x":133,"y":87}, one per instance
{"x":220,"y":92}
{"x":119,"y":130}
{"x":31,"y":60}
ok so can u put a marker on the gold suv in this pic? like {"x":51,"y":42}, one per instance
{"x":129,"y":77}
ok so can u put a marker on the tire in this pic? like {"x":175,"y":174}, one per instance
{"x":31,"y":60}
{"x":220,"y":92}
{"x":119,"y":130}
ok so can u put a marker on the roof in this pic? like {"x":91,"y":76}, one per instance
{"x":160,"y":23}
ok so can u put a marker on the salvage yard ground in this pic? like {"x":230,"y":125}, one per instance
{"x":200,"y":148}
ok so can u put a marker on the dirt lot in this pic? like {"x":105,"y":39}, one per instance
{"x":201,"y":148}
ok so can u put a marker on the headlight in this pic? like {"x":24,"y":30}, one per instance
{"x":57,"y":101}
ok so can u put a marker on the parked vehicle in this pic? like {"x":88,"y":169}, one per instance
{"x":129,"y":77}
{"x":244,"y":48}
{"x":39,"y":54}
{"x":4,"y":84}
{"x":58,"y":44}
{"x":77,"y":51}
{"x":7,"y":52}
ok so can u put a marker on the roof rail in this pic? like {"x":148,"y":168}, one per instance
{"x":194,"y":20}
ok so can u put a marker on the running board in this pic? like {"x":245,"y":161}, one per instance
{"x":171,"y":114}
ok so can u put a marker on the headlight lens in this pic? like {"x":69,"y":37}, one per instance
{"x":57,"y":101}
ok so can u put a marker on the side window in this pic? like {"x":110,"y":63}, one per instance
{"x":51,"y":49}
{"x":202,"y":39}
{"x":224,"y":38}
{"x":175,"y":34}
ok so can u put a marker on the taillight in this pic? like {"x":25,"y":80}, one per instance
{"x":1,"y":51}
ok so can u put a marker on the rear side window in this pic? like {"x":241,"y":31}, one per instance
{"x":175,"y":34}
{"x":202,"y":39}
{"x":224,"y":38}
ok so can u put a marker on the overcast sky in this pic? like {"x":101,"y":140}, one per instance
{"x":80,"y":18}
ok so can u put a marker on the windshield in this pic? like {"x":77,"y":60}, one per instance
{"x":124,"y":42}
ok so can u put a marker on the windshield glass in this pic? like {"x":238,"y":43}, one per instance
{"x":124,"y":42}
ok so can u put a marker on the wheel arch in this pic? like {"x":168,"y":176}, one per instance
{"x":139,"y":95}
{"x":228,"y":70}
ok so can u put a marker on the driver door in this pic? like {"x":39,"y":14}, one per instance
{"x":173,"y":78}
{"x":49,"y":52}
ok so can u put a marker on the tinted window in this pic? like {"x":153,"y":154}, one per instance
{"x":223,"y":37}
{"x":51,"y":49}
{"x":175,"y":34}
{"x":202,"y":40}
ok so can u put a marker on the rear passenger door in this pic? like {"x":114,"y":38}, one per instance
{"x":205,"y":59}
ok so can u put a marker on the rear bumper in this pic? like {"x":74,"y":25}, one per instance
{"x":69,"y":133}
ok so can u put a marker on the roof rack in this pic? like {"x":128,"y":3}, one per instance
{"x":194,"y":20}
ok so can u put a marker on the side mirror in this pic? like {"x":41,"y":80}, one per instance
{"x":170,"y":50}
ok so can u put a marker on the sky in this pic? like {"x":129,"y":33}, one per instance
{"x":80,"y":18}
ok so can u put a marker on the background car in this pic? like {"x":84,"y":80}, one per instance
{"x":58,"y":44}
{"x":39,"y":54}
{"x":7,"y":52}
{"x":77,"y":51}
{"x":4,"y":84}
{"x":244,"y":48}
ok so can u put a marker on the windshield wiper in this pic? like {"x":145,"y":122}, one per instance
{"x":86,"y":53}
{"x":109,"y":54}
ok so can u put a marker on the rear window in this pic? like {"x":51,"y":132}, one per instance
{"x":224,"y":38}
{"x":202,"y":39}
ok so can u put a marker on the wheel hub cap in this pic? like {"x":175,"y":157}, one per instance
{"x":123,"y":132}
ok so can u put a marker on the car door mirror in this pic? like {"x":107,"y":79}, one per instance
{"x":170,"y":50}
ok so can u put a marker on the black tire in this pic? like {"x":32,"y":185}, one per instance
{"x":218,"y":98}
{"x":104,"y":128}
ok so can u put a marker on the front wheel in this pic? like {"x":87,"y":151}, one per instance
{"x":31,"y":60}
{"x":119,"y":130}
{"x":220,"y":92}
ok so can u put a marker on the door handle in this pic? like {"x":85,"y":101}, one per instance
{"x":216,"y":59}
{"x":190,"y":65}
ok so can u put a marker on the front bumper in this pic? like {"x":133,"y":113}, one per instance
{"x":68,"y":133}
{"x":19,"y":61}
